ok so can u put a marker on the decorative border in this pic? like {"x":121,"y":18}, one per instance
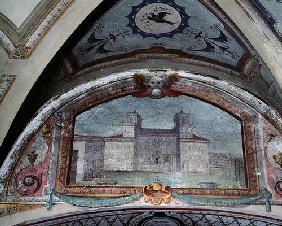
{"x":10,"y":79}
{"x":127,"y":87}
{"x":20,"y":43}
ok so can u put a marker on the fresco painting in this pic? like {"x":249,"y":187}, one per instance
{"x":178,"y":141}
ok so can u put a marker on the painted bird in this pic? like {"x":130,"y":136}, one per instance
{"x":159,"y":18}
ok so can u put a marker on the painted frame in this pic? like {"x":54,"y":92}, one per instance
{"x":104,"y":95}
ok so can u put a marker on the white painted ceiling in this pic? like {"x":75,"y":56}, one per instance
{"x":18,"y":10}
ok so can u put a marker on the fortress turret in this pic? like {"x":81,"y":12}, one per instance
{"x":182,"y":124}
{"x":133,"y":121}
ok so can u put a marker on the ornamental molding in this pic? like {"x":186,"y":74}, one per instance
{"x":6,"y":82}
{"x":263,"y":20}
{"x":19,"y":43}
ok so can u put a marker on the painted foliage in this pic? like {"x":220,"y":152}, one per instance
{"x":179,"y":141}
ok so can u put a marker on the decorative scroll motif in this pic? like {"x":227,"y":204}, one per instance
{"x":33,"y":169}
{"x":157,"y":193}
{"x":275,"y":152}
{"x":6,"y":82}
{"x":278,"y":184}
{"x":23,"y":47}
{"x":157,"y":217}
{"x":12,"y":208}
{"x":278,"y":158}
{"x":272,"y":145}
{"x":29,"y":180}
{"x":159,"y":24}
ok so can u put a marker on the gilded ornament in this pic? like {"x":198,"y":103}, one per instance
{"x":156,"y":193}
{"x":22,"y":51}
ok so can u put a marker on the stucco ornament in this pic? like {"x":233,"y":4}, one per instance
{"x":156,"y":193}
{"x":275,"y":152}
{"x":156,"y":86}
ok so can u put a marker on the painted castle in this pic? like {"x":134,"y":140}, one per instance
{"x":141,"y":149}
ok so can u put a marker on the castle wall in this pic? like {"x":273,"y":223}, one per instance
{"x":73,"y":170}
{"x":145,"y":149}
{"x":156,"y":153}
{"x":89,"y":158}
{"x":194,"y":156}
{"x":80,"y":147}
{"x":229,"y":164}
{"x":119,"y":155}
{"x":128,"y":130}
{"x":93,"y":158}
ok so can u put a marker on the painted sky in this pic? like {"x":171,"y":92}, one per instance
{"x":208,"y":121}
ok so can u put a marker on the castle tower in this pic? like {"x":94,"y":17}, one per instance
{"x":133,"y":122}
{"x":182,"y":124}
